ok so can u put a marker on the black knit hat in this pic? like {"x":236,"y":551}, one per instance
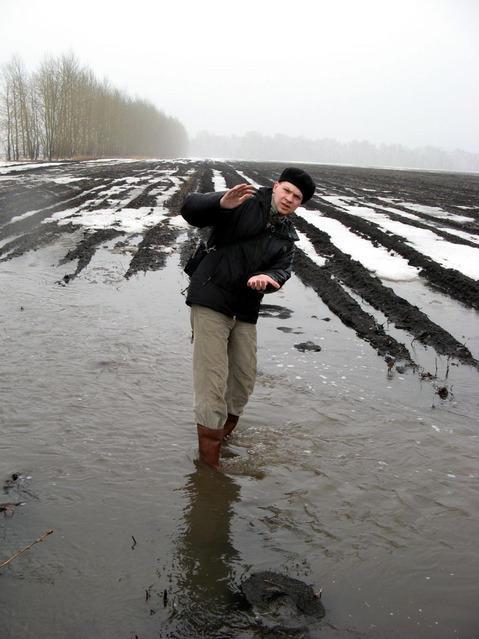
{"x":301,"y":180}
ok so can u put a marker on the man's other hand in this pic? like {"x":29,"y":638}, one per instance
{"x":260,"y":282}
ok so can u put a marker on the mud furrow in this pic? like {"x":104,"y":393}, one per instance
{"x":449,"y":281}
{"x":85,"y":250}
{"x":347,"y":309}
{"x":405,"y":316}
{"x":116,"y":188}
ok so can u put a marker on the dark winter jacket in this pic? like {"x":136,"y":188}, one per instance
{"x":244,"y":247}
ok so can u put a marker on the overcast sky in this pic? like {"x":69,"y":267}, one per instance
{"x":386,"y":71}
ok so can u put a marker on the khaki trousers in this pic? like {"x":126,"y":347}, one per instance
{"x":224,"y":365}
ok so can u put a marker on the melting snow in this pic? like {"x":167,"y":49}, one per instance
{"x":376,"y":259}
{"x":464,"y":259}
{"x":306,"y":246}
{"x":129,"y":220}
{"x":219,"y":181}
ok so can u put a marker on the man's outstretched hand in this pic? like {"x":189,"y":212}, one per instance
{"x":260,"y":282}
{"x":236,"y":196}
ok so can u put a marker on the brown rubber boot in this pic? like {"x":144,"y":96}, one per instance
{"x":229,"y":426}
{"x":209,"y":442}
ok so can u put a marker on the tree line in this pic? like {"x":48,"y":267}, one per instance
{"x":63,"y":111}
{"x":255,"y":146}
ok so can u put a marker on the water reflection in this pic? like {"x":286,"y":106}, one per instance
{"x":205,"y":558}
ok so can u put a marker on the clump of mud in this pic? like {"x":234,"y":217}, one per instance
{"x":284,"y":606}
{"x":308,"y":346}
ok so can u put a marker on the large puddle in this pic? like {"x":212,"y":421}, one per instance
{"x":357,"y":481}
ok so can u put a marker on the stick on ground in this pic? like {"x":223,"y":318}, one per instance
{"x":24,"y":549}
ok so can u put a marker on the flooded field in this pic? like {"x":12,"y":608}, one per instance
{"x":353,"y":469}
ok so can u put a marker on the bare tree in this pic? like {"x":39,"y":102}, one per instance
{"x":62,"y":111}
{"x":18,"y":112}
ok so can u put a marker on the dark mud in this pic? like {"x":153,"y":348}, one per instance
{"x":28,"y":199}
{"x":346,"y":473}
{"x":285,"y":606}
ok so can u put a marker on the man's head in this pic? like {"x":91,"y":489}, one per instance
{"x":293,"y":188}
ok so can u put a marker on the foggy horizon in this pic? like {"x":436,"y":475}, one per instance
{"x":402,"y":74}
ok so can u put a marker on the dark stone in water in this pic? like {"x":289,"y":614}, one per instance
{"x":282,"y":603}
{"x":308,"y":346}
{"x":287,"y":329}
{"x":271,"y":310}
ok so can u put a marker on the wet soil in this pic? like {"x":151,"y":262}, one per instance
{"x":355,"y":477}
{"x":29,"y":198}
{"x":285,"y":606}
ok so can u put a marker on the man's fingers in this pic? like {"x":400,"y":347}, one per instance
{"x":260,"y":282}
{"x":243,"y":186}
{"x":237,"y":195}
{"x":272,"y":282}
{"x":244,"y":189}
{"x":244,"y":192}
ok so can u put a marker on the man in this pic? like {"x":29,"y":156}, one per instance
{"x":250,"y":252}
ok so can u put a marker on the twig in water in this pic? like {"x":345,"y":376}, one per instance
{"x":27,"y":548}
{"x":269,"y":581}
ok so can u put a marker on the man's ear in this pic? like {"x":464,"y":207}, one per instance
{"x":276,"y":184}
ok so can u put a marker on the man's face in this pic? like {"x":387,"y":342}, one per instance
{"x":286,"y":197}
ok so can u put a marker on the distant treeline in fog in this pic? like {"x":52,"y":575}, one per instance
{"x":62,"y":111}
{"x":255,"y":146}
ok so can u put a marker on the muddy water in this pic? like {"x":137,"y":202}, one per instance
{"x":361,"y":483}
